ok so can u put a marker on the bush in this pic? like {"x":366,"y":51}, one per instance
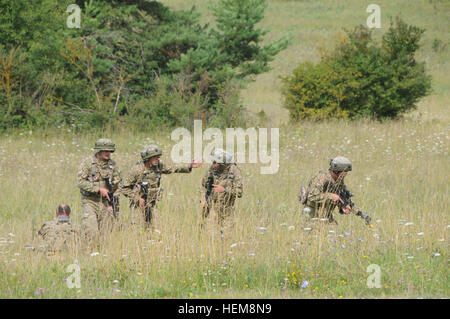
{"x":111,"y":69}
{"x":360,"y":78}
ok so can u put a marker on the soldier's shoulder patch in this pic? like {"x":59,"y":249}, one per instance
{"x":50,"y":223}
{"x":323,"y":174}
{"x":138,"y":168}
{"x":86,"y":162}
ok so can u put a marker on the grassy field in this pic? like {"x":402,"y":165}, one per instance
{"x":400,"y":177}
{"x":315,"y":27}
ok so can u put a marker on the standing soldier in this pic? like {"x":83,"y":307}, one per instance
{"x":57,"y":234}
{"x":221,"y":185}
{"x":98,"y":180}
{"x":142,"y":185}
{"x":327,"y":190}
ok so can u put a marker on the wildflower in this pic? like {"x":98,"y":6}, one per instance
{"x":420,"y":234}
{"x":305,"y":284}
{"x":190,"y":294}
{"x":95,"y":254}
{"x":342,"y":246}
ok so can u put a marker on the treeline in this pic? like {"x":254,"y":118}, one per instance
{"x":130,"y":62}
{"x":361,"y":77}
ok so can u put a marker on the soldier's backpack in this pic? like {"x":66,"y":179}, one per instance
{"x":303,"y":195}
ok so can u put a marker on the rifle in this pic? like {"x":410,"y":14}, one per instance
{"x":113,"y":200}
{"x":345,"y":195}
{"x":209,"y":186}
{"x":148,"y":209}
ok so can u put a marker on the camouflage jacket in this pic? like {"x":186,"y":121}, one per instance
{"x":132,"y":183}
{"x":92,"y":174}
{"x":230,"y":178}
{"x":321,"y":188}
{"x":55,"y":235}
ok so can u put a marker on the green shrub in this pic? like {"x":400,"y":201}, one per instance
{"x":360,"y":78}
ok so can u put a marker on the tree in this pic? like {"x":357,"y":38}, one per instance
{"x":361,"y":78}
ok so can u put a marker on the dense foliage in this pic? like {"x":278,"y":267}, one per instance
{"x":132,"y":61}
{"x":361,"y":78}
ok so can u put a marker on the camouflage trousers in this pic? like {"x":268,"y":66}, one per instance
{"x":139,"y":216}
{"x":96,"y":220}
{"x":223,"y":213}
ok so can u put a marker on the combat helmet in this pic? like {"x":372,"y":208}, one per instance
{"x":340,"y":164}
{"x":104,"y":144}
{"x":150,"y":151}
{"x":220,"y":156}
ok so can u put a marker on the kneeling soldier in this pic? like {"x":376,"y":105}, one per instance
{"x":57,"y":234}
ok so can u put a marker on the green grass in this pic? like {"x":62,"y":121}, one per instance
{"x":398,"y":177}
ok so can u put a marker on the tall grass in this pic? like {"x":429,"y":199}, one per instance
{"x":399,"y":178}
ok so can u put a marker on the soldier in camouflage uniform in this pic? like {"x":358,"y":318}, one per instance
{"x":221,"y":185}
{"x":57,"y":234}
{"x":94,"y":175}
{"x":323,"y":189}
{"x":142,"y":184}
